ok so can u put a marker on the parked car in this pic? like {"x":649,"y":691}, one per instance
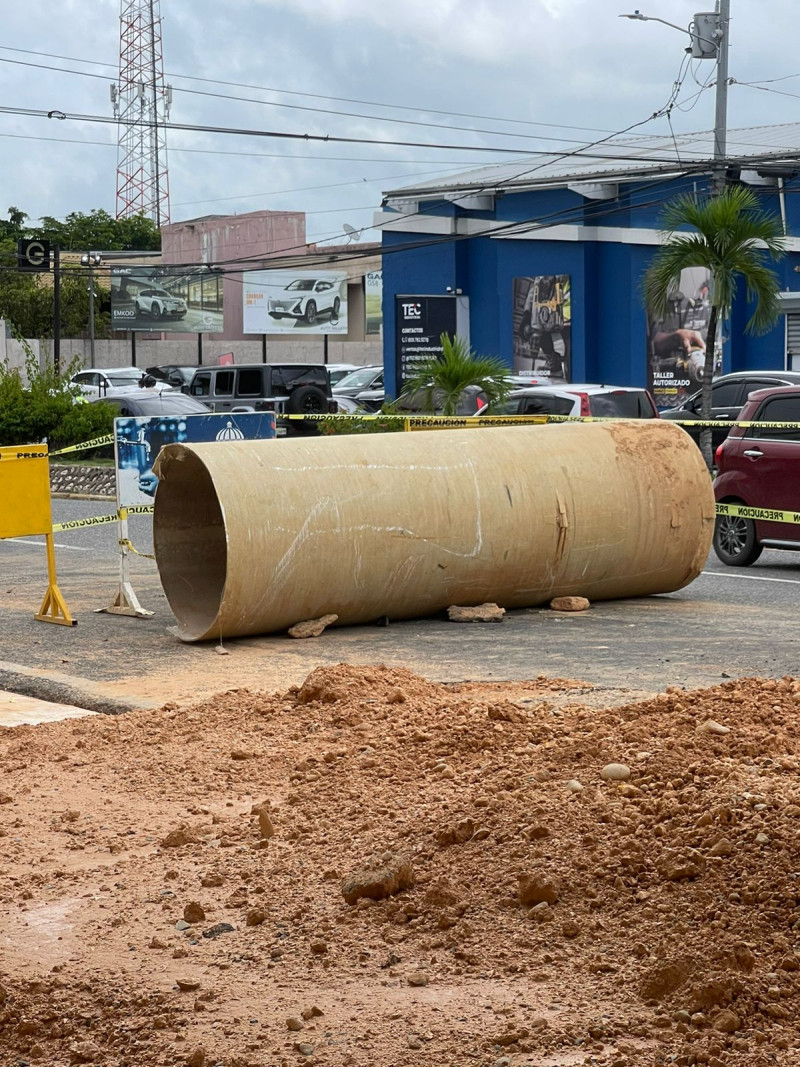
{"x":160,"y":304}
{"x":115,"y":380}
{"x":759,"y":466}
{"x":600,"y":401}
{"x":729,"y":394}
{"x":337,"y":371}
{"x":471,"y":401}
{"x":285,"y":388}
{"x":359,"y":381}
{"x":306,"y":299}
{"x":177,"y":375}
{"x":150,"y":402}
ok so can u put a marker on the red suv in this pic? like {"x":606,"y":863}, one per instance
{"x":759,"y":466}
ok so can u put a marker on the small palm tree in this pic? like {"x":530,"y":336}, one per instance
{"x":442,"y":380}
{"x":734,"y":240}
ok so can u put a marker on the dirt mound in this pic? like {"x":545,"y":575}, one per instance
{"x":554,"y":914}
{"x":343,"y":683}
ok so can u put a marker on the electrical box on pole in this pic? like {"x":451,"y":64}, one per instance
{"x":705,"y":33}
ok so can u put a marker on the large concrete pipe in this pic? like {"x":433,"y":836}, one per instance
{"x":253,"y":536}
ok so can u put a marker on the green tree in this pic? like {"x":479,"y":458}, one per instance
{"x":14,"y":226}
{"x":99,"y":231}
{"x":26,"y":301}
{"x":442,"y":380}
{"x":734,"y":240}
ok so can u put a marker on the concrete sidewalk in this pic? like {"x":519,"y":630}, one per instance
{"x":18,"y":710}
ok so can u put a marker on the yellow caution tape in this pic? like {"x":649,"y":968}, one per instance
{"x":764,"y":514}
{"x":125,"y":543}
{"x":79,"y":524}
{"x":97,"y":442}
{"x":23,"y":452}
{"x":461,"y":421}
{"x":102,"y":520}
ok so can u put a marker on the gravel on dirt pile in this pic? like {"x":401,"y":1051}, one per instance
{"x":372,"y":869}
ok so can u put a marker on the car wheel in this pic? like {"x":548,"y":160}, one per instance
{"x":155,"y":311}
{"x":336,"y":305}
{"x":735,"y":541}
{"x":307,"y":400}
{"x":311,"y":313}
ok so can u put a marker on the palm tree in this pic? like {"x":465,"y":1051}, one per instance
{"x":734,"y":239}
{"x":442,"y":380}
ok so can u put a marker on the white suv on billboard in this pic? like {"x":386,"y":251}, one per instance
{"x":160,"y":304}
{"x":305,"y":299}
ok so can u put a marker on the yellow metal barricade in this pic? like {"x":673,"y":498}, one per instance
{"x":25,"y":493}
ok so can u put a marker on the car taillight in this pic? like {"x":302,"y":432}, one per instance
{"x":717,"y":455}
{"x":479,"y":403}
{"x":585,"y":410}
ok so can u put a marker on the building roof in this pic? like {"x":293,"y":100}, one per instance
{"x":620,"y":159}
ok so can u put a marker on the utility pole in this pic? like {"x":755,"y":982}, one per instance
{"x":710,"y":34}
{"x":57,"y":309}
{"x":721,"y":111}
{"x":91,"y":260}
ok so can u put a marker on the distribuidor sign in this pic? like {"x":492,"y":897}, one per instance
{"x":420,"y":322}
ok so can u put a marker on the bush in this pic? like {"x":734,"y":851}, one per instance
{"x":47,"y":409}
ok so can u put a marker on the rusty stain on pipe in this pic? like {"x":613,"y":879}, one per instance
{"x":253,"y":536}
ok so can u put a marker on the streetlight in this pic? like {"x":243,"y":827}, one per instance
{"x":91,"y":260}
{"x":717,"y":23}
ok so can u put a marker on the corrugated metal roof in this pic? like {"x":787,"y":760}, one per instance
{"x":623,"y":159}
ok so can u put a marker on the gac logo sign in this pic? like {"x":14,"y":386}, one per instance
{"x":412,"y":311}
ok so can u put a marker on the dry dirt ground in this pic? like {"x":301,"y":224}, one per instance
{"x":173,"y":882}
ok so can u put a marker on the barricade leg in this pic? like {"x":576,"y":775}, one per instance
{"x":126,"y":601}
{"x":54,"y":607}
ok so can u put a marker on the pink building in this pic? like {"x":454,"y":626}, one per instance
{"x":234,"y":240}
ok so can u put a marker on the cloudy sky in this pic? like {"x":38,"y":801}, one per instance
{"x":519,"y":75}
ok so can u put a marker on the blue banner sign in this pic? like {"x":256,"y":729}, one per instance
{"x":137,"y":442}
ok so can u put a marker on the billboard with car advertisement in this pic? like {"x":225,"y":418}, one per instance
{"x":676,"y":344}
{"x":166,"y":299}
{"x":373,"y":303}
{"x":137,"y":442}
{"x":299,"y":302}
{"x":542,"y":326}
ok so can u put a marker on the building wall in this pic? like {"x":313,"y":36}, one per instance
{"x":230,"y":239}
{"x":609,"y":322}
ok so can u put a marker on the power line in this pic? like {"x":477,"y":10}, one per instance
{"x":302,"y":107}
{"x":57,"y":113}
{"x":254,"y":155}
{"x":315,"y":96}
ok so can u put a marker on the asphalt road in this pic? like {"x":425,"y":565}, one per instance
{"x":728,"y":623}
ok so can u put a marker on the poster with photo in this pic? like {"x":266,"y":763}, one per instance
{"x":166,"y":299}
{"x":373,"y":301}
{"x":542,"y":322}
{"x":138,"y":440}
{"x":299,"y":302}
{"x":676,"y":344}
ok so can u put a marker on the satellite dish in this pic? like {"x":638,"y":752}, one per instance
{"x":350,"y":232}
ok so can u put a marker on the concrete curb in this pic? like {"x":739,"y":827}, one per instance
{"x":83,"y":496}
{"x":18,"y":679}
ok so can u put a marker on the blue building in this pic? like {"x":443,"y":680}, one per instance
{"x":544,"y":258}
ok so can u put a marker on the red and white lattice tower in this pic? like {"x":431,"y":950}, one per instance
{"x":141,"y":103}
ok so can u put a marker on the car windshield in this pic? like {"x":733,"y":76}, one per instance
{"x":624,"y":405}
{"x":358,"y":378}
{"x":303,"y":285}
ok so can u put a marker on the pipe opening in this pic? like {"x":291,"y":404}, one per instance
{"x":190,"y":541}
